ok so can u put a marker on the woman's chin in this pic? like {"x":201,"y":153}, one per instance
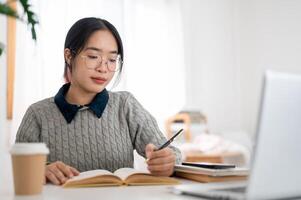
{"x":96,"y":89}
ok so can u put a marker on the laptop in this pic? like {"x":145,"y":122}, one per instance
{"x":276,"y":159}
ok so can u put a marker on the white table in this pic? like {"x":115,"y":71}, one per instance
{"x":52,"y":192}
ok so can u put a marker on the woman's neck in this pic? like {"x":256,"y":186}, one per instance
{"x":78,"y":96}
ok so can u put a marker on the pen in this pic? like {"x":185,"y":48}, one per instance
{"x":168,"y":142}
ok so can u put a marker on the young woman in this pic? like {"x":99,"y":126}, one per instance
{"x":87,"y":127}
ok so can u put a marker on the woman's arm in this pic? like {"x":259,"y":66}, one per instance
{"x":144,"y":130}
{"x":29,"y":129}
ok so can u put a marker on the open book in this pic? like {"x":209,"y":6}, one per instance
{"x":122,"y":176}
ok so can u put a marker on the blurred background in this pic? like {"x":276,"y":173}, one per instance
{"x":203,"y":60}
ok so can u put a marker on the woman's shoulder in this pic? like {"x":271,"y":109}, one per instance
{"x":44,"y":104}
{"x":121,"y":98}
{"x":120,"y":95}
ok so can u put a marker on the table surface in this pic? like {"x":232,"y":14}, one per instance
{"x":52,"y":192}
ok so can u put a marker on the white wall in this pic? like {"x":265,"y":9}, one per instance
{"x":210,"y":54}
{"x":3,"y":121}
{"x":270,"y":37}
{"x":229,"y":44}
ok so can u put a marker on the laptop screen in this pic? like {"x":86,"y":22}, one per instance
{"x":276,"y":161}
{"x":276,"y":165}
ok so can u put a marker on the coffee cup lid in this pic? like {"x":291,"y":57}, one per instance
{"x":29,"y":148}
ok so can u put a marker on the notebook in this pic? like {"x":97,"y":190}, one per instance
{"x":237,"y":171}
{"x":276,"y":161}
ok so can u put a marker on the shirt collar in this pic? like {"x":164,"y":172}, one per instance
{"x":97,"y":105}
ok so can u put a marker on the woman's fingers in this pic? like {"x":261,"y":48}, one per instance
{"x":149,"y":150}
{"x":166,"y":170}
{"x":58,"y":172}
{"x":75,"y":171}
{"x":162,"y":173}
{"x":65,"y":169}
{"x":161,"y":153}
{"x":59,"y":175}
{"x":162,"y":160}
{"x":52,"y":178}
{"x":161,"y":168}
{"x":162,"y":156}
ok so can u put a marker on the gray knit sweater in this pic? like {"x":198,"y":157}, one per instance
{"x":89,"y":142}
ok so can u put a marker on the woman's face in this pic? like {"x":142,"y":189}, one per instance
{"x":91,"y":67}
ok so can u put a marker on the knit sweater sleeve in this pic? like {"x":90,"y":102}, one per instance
{"x":29,"y":129}
{"x":143,"y":128}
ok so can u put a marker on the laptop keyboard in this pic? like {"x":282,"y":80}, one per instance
{"x":235,"y":189}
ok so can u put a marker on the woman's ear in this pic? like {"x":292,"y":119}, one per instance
{"x":68,"y":77}
{"x":68,"y":56}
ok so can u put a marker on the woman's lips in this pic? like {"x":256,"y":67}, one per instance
{"x":98,"y":80}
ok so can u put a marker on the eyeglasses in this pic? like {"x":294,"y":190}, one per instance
{"x":113,"y":63}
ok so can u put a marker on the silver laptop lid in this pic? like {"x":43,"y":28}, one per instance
{"x":276,"y":170}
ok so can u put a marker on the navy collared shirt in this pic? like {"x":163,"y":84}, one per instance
{"x":97,"y":105}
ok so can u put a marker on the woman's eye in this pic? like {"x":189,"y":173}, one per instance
{"x":92,"y":57}
{"x":112,"y":60}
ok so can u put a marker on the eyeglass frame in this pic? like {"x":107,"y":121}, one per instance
{"x":106,"y":63}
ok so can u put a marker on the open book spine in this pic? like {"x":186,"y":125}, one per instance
{"x":90,"y":185}
{"x":97,"y":181}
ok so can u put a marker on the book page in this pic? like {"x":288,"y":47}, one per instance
{"x":123,"y":173}
{"x":90,"y":174}
{"x":132,"y":176}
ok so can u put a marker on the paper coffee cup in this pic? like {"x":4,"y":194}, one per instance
{"x":28,"y":161}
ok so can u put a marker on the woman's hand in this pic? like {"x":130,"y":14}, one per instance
{"x":161,"y":162}
{"x":58,"y":172}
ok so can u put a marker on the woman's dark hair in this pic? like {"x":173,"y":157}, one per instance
{"x":81,"y":31}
